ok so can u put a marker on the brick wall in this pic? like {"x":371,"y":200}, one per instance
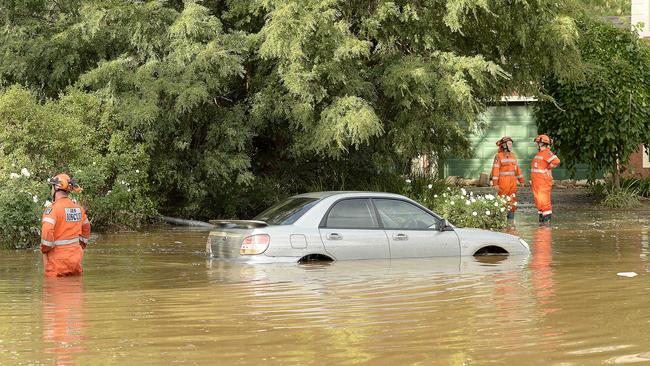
{"x":639,"y":164}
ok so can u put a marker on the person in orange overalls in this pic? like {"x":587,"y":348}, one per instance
{"x":541,"y":178}
{"x":506,"y":173}
{"x":65,"y":230}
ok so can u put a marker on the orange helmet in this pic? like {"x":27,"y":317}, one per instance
{"x":503,"y":140}
{"x":543,"y":139}
{"x":63,"y":182}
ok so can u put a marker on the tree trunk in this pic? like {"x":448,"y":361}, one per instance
{"x":616,"y":177}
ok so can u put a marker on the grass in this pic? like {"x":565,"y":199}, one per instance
{"x":625,"y":197}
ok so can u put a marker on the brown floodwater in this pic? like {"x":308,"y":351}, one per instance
{"x":153,"y":299}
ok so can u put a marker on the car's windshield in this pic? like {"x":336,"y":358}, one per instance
{"x":287,"y":211}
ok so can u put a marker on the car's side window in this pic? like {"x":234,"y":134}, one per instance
{"x":396,"y":214}
{"x":352,"y":214}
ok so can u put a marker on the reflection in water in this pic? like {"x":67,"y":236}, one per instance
{"x":541,"y":264}
{"x":63,"y":317}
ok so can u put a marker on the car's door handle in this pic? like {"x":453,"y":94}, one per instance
{"x":398,"y":237}
{"x":334,"y":236}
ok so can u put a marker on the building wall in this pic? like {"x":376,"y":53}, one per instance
{"x":641,"y":14}
{"x":518,"y":122}
{"x":639,"y":164}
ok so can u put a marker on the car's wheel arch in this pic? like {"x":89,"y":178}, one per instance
{"x":490,"y":250}
{"x":315,"y":257}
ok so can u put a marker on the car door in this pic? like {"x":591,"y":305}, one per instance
{"x":350,"y":230}
{"x":413,"y":232}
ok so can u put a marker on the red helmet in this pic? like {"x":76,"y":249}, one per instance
{"x":544,"y":139}
{"x":503,"y":140}
{"x":63,"y":182}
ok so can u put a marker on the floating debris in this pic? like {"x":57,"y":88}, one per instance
{"x":627,"y":274}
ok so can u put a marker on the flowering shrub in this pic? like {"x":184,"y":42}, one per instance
{"x":71,"y":135}
{"x":465,"y":209}
{"x":21,"y":206}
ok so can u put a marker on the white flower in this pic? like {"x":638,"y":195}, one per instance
{"x":430,"y":186}
{"x":489,"y":197}
{"x":449,"y":189}
{"x":435,"y":196}
{"x":35,"y":198}
{"x":467,"y":202}
{"x":137,"y":170}
{"x":122,"y":182}
{"x":444,"y":194}
{"x":471,"y":193}
{"x":474,"y":213}
{"x":25,"y":172}
{"x":514,"y":195}
{"x":473,"y":200}
{"x":514,"y":203}
{"x":508,"y":198}
{"x":502,"y":209}
{"x":109,"y":192}
{"x":487,"y":212}
{"x":463,"y":191}
{"x":128,"y":190}
{"x":496,"y":204}
{"x":14,"y":175}
{"x":94,"y":163}
{"x":451,"y":203}
{"x":408,"y":181}
{"x":47,"y":203}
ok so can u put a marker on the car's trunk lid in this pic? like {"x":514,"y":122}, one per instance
{"x":226,"y":239}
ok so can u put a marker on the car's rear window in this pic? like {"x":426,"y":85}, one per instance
{"x":287,"y":211}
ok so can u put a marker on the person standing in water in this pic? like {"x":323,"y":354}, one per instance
{"x":541,"y":178}
{"x":65,"y":230}
{"x":506,"y":173}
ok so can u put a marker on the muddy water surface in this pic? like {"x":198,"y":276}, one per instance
{"x":153,"y":299}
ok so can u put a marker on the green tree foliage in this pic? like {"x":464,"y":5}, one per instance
{"x":223,"y":106}
{"x":605,"y":116}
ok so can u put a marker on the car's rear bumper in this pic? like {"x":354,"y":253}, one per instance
{"x":258,"y":259}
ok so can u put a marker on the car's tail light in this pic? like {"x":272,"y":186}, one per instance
{"x":254,"y":244}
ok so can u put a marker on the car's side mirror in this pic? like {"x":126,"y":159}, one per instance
{"x":446,"y":226}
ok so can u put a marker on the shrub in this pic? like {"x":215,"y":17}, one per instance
{"x":625,"y":197}
{"x":641,"y":186}
{"x":461,"y":208}
{"x":21,"y":205}
{"x":72,"y":135}
{"x":597,"y":189}
{"x":469,"y":210}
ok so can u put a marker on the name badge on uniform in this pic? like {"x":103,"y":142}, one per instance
{"x":72,"y":214}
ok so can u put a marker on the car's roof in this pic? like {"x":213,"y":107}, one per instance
{"x":321,"y":195}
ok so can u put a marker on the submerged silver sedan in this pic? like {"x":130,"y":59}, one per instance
{"x":351,"y":225}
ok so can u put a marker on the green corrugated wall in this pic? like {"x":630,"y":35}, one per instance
{"x":516,"y":121}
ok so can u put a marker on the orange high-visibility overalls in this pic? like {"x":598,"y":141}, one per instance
{"x":542,"y":179}
{"x":65,"y":233}
{"x":505,"y":174}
